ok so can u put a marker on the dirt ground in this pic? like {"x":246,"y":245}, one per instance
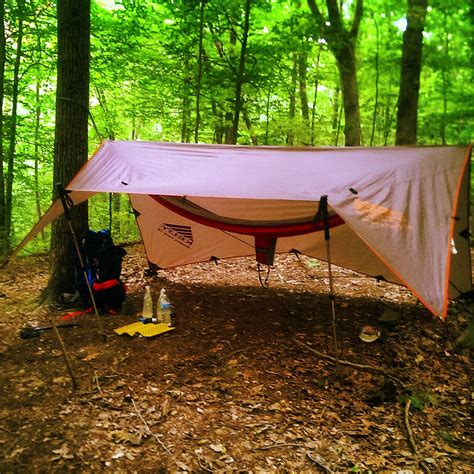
{"x":233,"y":387}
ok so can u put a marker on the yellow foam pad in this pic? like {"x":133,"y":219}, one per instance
{"x":146,"y":330}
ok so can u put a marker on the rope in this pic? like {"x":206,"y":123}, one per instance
{"x":263,"y":283}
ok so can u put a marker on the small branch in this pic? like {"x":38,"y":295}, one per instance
{"x":357,"y":18}
{"x":316,"y":12}
{"x":96,"y":378}
{"x":9,"y":447}
{"x":369,"y":368}
{"x":411,"y":440}
{"x":149,"y":430}
{"x":235,"y":352}
{"x":278,"y":445}
{"x":75,"y":385}
{"x":320,"y":462}
{"x":2,"y":428}
{"x":101,"y":405}
{"x":201,"y":465}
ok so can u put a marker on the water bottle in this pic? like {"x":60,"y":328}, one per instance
{"x":147,"y":304}
{"x":163,"y":308}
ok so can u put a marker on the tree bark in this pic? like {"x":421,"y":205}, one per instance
{"x":342,"y":43}
{"x":248,"y":123}
{"x":199,"y":72}
{"x":302,"y":65}
{"x":240,"y":75}
{"x":186,"y":127}
{"x":36,"y":153}
{"x":377,"y":76}
{"x":107,"y":118}
{"x":292,"y":109}
{"x":218,"y":125}
{"x":315,"y":99}
{"x":410,"y":73}
{"x":3,"y":240}
{"x":444,"y":77}
{"x":336,"y":115}
{"x":13,"y":130}
{"x":267,"y":113}
{"x":70,"y":142}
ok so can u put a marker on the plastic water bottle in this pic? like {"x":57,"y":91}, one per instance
{"x":163,"y":308}
{"x":147,"y":304}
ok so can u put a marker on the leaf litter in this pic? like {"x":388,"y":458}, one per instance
{"x":229,"y":389}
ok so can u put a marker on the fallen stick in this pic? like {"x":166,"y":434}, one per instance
{"x":279,"y":445}
{"x":96,"y":378}
{"x":234,"y":353}
{"x":333,"y":360}
{"x":411,"y":440}
{"x":75,"y":385}
{"x":149,"y":429}
{"x":320,"y":462}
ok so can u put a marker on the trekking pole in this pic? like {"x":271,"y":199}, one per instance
{"x":66,"y":202}
{"x":323,"y":208}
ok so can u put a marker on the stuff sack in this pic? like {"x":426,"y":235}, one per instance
{"x":103,"y":265}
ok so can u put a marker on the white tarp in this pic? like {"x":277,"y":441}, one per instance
{"x":401,"y":206}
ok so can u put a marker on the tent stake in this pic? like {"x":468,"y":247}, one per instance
{"x":64,"y":201}
{"x":323,"y":208}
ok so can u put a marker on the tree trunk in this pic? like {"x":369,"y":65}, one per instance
{"x":240,"y":75}
{"x":466,"y":338}
{"x":116,"y":227}
{"x":410,"y":73}
{"x":444,"y":76}
{"x":3,"y":238}
{"x":186,"y":121}
{"x":302,"y":66}
{"x":36,"y":153}
{"x":185,"y":118}
{"x":316,"y":85}
{"x":199,"y":73}
{"x":335,"y":115}
{"x":107,"y":119}
{"x":350,"y":95}
{"x":13,"y":129}
{"x":70,"y":141}
{"x":218,"y":125}
{"x":377,"y":75}
{"x":267,"y":113}
{"x":342,"y":43}
{"x":248,"y":123}
{"x":292,"y":110}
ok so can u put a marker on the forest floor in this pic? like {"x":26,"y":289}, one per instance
{"x":236,"y":386}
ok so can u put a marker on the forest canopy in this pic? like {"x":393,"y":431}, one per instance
{"x":260,"y":72}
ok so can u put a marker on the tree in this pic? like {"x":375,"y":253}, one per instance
{"x":70,"y":144}
{"x":410,"y":73}
{"x":3,"y":236}
{"x":199,"y":73}
{"x":13,"y":127}
{"x":342,"y":43}
{"x":240,"y":76}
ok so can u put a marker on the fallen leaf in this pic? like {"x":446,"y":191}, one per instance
{"x":63,"y":452}
{"x":182,"y":466}
{"x":218,"y":448}
{"x":91,"y":356}
{"x":118,"y":453}
{"x":61,"y":380}
{"x":122,"y":436}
